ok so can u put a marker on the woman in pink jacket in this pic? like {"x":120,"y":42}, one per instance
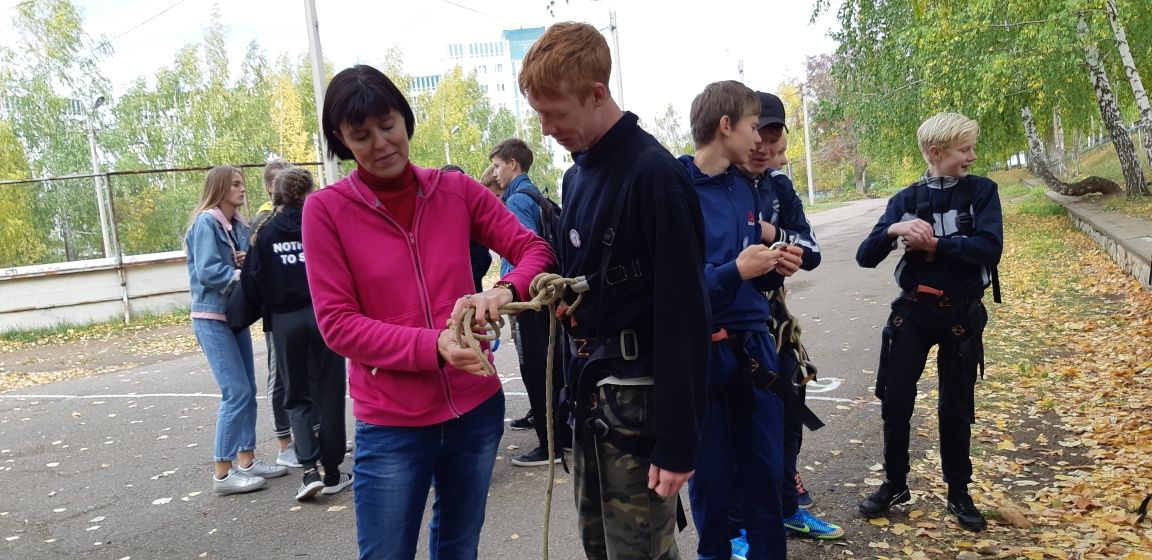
{"x":388,"y":265}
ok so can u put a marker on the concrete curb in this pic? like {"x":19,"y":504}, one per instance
{"x":1126,"y":238}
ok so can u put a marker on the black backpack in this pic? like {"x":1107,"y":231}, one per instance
{"x":549,"y":218}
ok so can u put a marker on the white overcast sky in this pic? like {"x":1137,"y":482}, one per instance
{"x":668,"y":55}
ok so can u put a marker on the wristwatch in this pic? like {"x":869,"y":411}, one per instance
{"x":510,"y":286}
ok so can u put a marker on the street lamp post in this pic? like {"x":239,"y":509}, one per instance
{"x":618,"y":95}
{"x":101,"y":207}
{"x":807,"y":144}
{"x":331,"y":166}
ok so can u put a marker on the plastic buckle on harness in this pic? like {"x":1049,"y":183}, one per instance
{"x":629,"y":345}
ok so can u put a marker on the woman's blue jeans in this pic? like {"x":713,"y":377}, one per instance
{"x":395,"y":466}
{"x":230,"y":357}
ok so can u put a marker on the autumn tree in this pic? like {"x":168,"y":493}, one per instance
{"x":669,"y":130}
{"x":903,"y":62}
{"x":19,"y":240}
{"x":50,"y":95}
{"x":457,"y":124}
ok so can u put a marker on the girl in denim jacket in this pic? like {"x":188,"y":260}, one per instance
{"x":216,"y":242}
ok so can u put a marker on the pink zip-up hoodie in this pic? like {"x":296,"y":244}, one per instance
{"x":383,"y":294}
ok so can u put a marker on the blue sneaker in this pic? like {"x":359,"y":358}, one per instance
{"x":740,"y":546}
{"x":807,"y":525}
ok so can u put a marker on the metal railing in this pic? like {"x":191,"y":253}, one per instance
{"x":107,"y":215}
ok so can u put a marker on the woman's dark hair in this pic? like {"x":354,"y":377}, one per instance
{"x":355,"y":94}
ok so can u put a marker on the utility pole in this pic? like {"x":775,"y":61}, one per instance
{"x":808,"y":145}
{"x":619,"y":65}
{"x":331,"y":168}
{"x":101,"y":207}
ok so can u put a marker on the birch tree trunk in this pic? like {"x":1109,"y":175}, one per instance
{"x":1110,"y":114}
{"x":1056,"y":161}
{"x":1038,"y":163}
{"x":1138,"y":90}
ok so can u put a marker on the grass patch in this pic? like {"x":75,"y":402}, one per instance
{"x":1039,"y":206}
{"x":62,"y":334}
{"x":1024,"y":199}
{"x":1135,"y":207}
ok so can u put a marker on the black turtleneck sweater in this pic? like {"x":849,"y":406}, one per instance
{"x":660,"y":227}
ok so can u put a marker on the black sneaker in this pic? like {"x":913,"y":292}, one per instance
{"x":534,"y":458}
{"x":803,"y":497}
{"x":526,"y":423}
{"x":310,"y":486}
{"x":966,"y":513}
{"x":883,"y":499}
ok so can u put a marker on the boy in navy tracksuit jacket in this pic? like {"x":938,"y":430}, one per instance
{"x":952,"y":231}
{"x":783,"y":220}
{"x":740,"y":446}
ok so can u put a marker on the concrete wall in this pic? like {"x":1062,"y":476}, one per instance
{"x":1126,"y":239}
{"x":90,"y":291}
{"x":1137,"y":264}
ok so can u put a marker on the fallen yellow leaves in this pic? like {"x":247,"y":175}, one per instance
{"x":1061,"y":450}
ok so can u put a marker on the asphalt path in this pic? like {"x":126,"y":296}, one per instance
{"x":118,"y":466}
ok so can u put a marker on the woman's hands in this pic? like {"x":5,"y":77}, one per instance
{"x":457,"y":356}
{"x":487,"y":306}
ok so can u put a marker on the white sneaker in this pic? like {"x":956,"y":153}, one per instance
{"x":287,"y":458}
{"x":237,"y":482}
{"x":345,"y":481}
{"x":263,"y":470}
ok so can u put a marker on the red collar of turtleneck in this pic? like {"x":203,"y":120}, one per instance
{"x":398,"y":194}
{"x":406,"y":178}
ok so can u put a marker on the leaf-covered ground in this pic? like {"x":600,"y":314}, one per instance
{"x":1062,"y":448}
{"x":36,"y":358}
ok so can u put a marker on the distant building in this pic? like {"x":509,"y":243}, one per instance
{"x":497,"y":67}
{"x":496,"y":63}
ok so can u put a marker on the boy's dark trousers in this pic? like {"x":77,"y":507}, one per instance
{"x":912,"y":329}
{"x":739,"y":461}
{"x":793,"y":438}
{"x":530,"y":333}
{"x":315,"y":384}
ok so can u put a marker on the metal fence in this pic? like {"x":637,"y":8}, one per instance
{"x":109,"y":215}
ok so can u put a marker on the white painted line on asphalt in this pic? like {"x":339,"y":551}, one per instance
{"x":824,"y":385}
{"x":159,"y":395}
{"x":836,"y":399}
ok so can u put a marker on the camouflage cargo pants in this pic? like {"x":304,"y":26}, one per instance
{"x":619,"y":517}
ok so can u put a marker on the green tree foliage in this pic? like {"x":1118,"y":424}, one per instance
{"x":670,"y":132}
{"x":457,"y":124}
{"x":49,"y":94}
{"x":905,"y":61}
{"x":200,"y":110}
{"x":19,"y":239}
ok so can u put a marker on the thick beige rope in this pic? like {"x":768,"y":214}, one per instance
{"x":546,"y":290}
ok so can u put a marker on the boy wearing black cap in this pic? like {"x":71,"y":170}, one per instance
{"x":783,"y":220}
{"x":741,"y":438}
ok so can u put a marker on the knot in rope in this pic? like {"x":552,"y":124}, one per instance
{"x":547,"y":290}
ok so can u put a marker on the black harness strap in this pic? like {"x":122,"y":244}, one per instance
{"x":921,"y":207}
